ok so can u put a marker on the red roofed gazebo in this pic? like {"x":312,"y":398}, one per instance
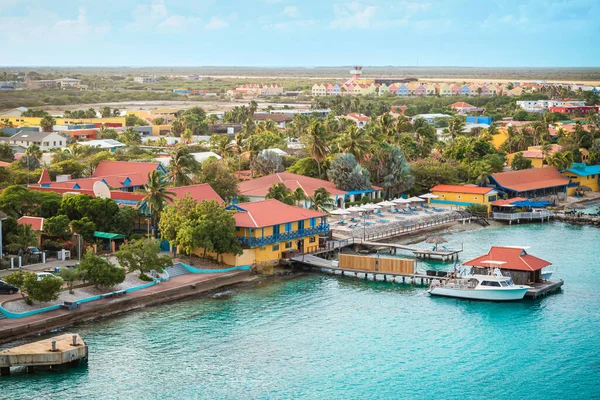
{"x":523,"y":268}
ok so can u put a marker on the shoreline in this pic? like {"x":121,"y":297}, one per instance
{"x":176,"y":289}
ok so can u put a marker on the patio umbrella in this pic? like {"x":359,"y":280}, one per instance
{"x":339,"y":211}
{"x":429,"y":196}
{"x":436,"y":240}
{"x":386,"y":203}
{"x":371,"y":206}
{"x":356,"y":209}
{"x":416,"y":199}
{"x":401,"y":201}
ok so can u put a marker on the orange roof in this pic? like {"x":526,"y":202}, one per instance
{"x":504,"y":202}
{"x":515,"y":258}
{"x":270,"y":212}
{"x":259,"y":187}
{"x":37,"y":223}
{"x":461,"y":104}
{"x":200,"y":192}
{"x":461,"y":189}
{"x":4,"y":164}
{"x":107,"y":168}
{"x":45,"y":177}
{"x":359,"y":117}
{"x":530,"y":179}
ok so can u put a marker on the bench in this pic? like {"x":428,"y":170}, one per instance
{"x":70,"y":305}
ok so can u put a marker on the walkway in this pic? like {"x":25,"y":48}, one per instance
{"x":51,"y":265}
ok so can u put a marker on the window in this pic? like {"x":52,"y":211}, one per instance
{"x":459,"y":196}
{"x":300,"y":225}
{"x":275,"y":247}
{"x":60,"y":143}
{"x":313,"y":222}
{"x":237,"y":229}
{"x":312,"y":239}
{"x":492,"y":198}
{"x":46,"y":144}
{"x":288,"y":245}
{"x":443,"y":195}
{"x":476,"y":198}
{"x":490,"y":283}
{"x":54,"y":143}
{"x":288,"y":227}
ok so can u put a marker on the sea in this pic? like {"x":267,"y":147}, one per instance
{"x":319,"y":336}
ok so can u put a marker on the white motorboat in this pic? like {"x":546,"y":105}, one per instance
{"x":493,"y":286}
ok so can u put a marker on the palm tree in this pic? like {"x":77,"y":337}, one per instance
{"x":23,"y":238}
{"x":317,"y":142}
{"x":299,"y":196}
{"x":321,"y":200}
{"x":211,"y":119}
{"x":156,"y":195}
{"x":546,"y":149}
{"x":187,"y":136}
{"x":47,"y":123}
{"x":456,"y":126}
{"x":280,"y":192}
{"x":355,"y":141}
{"x":181,"y":165}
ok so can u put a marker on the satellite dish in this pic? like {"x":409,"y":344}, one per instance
{"x":101,"y":190}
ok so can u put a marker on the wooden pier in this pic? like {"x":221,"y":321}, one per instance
{"x":68,"y":349}
{"x":544,"y":288}
{"x":444,"y":254}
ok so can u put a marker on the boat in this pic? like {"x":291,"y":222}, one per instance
{"x":494,"y":286}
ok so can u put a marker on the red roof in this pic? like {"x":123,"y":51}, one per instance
{"x":108,"y":168}
{"x":259,"y":214}
{"x":461,"y":104}
{"x":259,"y":187}
{"x":530,"y":179}
{"x":504,"y":202}
{"x":200,"y":192}
{"x":359,"y":117}
{"x":37,"y":223}
{"x":461,"y":189}
{"x":4,"y":164}
{"x":515,"y":258}
{"x":45,"y":177}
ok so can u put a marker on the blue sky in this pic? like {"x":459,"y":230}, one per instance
{"x":480,"y":33}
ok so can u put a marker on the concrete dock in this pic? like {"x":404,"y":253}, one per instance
{"x":67,"y":349}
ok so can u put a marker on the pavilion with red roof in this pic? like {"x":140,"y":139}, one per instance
{"x":529,"y":183}
{"x":523,"y":267}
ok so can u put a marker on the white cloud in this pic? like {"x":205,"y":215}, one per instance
{"x":289,"y":25}
{"x":291,"y":11}
{"x":216,"y":23}
{"x":156,"y":15}
{"x":414,"y":6}
{"x":353,"y":15}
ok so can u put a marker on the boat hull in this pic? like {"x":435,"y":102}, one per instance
{"x":512,"y":294}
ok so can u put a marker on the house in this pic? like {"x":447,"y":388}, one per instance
{"x":144,"y":79}
{"x":68,"y":83}
{"x":383,"y":89}
{"x":421,"y":90}
{"x":430,"y":118}
{"x":205,"y":155}
{"x":37,"y":225}
{"x":465,"y":90}
{"x":44,"y":140}
{"x":462,"y":108}
{"x":463,"y":195}
{"x":529,"y":183}
{"x":269,"y":228}
{"x":445,"y":90}
{"x":572,"y":109}
{"x":274,"y":89}
{"x":584,"y":175}
{"x":319,"y":89}
{"x":78,"y":134}
{"x":431,"y":90}
{"x":281,"y":120}
{"x":359,"y":119}
{"x":523,"y":268}
{"x":455,"y":90}
{"x":535,"y":154}
{"x":105,"y":144}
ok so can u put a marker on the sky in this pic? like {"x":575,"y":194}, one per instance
{"x":271,"y":33}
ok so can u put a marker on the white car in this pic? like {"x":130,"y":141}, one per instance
{"x":42,"y":275}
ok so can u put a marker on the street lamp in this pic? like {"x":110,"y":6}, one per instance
{"x":1,"y":249}
{"x":148,"y":219}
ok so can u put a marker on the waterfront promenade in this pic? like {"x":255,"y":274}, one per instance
{"x":175,"y":288}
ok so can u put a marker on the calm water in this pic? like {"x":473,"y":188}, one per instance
{"x":324,"y":337}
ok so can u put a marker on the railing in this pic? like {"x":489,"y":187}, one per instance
{"x":398,"y":230}
{"x":521,"y":215}
{"x":283,"y":237}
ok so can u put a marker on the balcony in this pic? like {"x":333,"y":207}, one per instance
{"x":282,"y":237}
{"x":521,"y":215}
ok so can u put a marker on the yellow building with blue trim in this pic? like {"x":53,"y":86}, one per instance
{"x":583,"y":175}
{"x":463,"y":195}
{"x":269,"y":228}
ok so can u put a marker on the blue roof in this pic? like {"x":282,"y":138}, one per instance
{"x":584,"y":170}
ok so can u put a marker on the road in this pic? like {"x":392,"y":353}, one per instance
{"x":40,"y":267}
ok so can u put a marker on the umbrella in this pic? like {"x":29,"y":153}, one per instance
{"x":371,"y":206}
{"x":429,"y":196}
{"x":356,"y":209}
{"x":338,"y":211}
{"x":415,"y":199}
{"x":436,"y":240}
{"x":387,"y":203}
{"x":401,"y":201}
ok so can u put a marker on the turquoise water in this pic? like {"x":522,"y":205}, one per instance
{"x":326,"y":337}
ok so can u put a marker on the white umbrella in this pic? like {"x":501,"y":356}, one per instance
{"x":356,"y":209}
{"x":339,"y":211}
{"x":401,"y":201}
{"x":429,"y":196}
{"x":415,"y":199}
{"x":371,"y":206}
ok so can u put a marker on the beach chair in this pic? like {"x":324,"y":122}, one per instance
{"x":392,"y":211}
{"x":383,"y":221}
{"x":427,"y":211}
{"x":400,"y":217}
{"x":437,"y":209}
{"x":425,"y":206}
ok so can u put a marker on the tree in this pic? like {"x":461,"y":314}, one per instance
{"x":187,"y":136}
{"x":216,"y":174}
{"x":321,"y":200}
{"x":430,"y":172}
{"x":43,"y":290}
{"x":143,"y":255}
{"x":131,"y":137}
{"x":181,"y":166}
{"x":47,"y":123}
{"x":519,"y":162}
{"x":280,"y":192}
{"x":84,"y":227}
{"x":347,"y":174}
{"x":70,"y":276}
{"x":316,"y":142}
{"x":156,"y":194}
{"x":23,"y":238}
{"x":7,"y":154}
{"x":58,"y":227}
{"x":305,"y":166}
{"x":354,"y":141}
{"x":267,"y":163}
{"x":105,"y":112}
{"x":100,"y":272}
{"x":456,"y":126}
{"x":218,"y":229}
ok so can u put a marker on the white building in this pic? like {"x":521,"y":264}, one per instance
{"x":106,"y":144}
{"x":44,"y":140}
{"x":144,"y":79}
{"x":68,"y":83}
{"x":430,"y":118}
{"x":203,"y":156}
{"x":541,"y":105}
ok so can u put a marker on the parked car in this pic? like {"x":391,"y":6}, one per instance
{"x":7,"y":289}
{"x":33,"y":251}
{"x":42,"y":275}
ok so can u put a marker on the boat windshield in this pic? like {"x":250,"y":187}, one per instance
{"x":490,"y":283}
{"x":503,"y":284}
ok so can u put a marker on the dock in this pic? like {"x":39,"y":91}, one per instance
{"x":544,"y":288}
{"x":68,"y":349}
{"x":443,"y":254}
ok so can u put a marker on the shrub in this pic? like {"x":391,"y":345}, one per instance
{"x":100,"y":272}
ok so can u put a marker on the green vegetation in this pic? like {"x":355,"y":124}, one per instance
{"x":143,"y":255}
{"x":70,"y":276}
{"x":100,"y":272}
{"x":34,"y":290}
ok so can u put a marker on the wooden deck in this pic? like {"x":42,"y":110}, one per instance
{"x":545,"y":288}
{"x":443,"y":254}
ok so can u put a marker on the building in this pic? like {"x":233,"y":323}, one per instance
{"x":462,"y":108}
{"x":583,"y":175}
{"x":529,"y":183}
{"x":571,"y":109}
{"x":430,"y":118}
{"x":144,"y":79}
{"x":44,"y":140}
{"x":42,"y":84}
{"x":523,"y":268}
{"x":205,"y":155}
{"x":267,"y":229}
{"x":36,"y":223}
{"x":281,"y":120}
{"x":535,"y":154}
{"x":360,"y":120}
{"x":463,"y":195}
{"x":78,"y":134}
{"x":105,"y":144}
{"x":68,"y":83}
